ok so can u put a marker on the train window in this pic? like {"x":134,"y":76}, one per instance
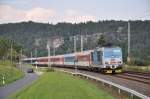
{"x":69,"y":59}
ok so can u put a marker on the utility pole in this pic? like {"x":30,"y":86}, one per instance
{"x":128,"y":58}
{"x":21,"y":59}
{"x":53,"y":46}
{"x":49,"y":54}
{"x":36,"y":57}
{"x":11,"y":49}
{"x":81,"y":43}
{"x":75,"y":45}
{"x":36,"y":45}
{"x":31,"y":58}
{"x":75,"y":57}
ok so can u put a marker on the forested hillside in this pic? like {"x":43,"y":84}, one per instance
{"x":115,"y":32}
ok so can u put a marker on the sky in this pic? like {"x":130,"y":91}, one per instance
{"x":73,"y":11}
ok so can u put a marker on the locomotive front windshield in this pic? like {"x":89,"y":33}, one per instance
{"x":112,"y":53}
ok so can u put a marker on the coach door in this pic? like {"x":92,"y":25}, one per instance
{"x":100,"y":56}
{"x":95,"y":57}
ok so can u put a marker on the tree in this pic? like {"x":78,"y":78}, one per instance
{"x":102,"y":40}
{"x":5,"y":48}
{"x":26,"y":32}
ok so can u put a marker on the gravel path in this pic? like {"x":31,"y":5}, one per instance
{"x":9,"y":89}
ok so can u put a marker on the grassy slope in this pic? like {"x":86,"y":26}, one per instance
{"x":9,"y":71}
{"x":56,"y":85}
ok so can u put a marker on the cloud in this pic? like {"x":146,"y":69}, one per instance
{"x":78,"y":19}
{"x":10,"y":14}
{"x":74,"y":16}
{"x":37,"y":14}
{"x":40,"y":14}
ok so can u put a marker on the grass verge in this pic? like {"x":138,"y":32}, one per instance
{"x":136,"y":68}
{"x":57,"y":85}
{"x":9,"y":71}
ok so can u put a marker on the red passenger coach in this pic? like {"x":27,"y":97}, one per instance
{"x":57,"y":60}
{"x":54,"y":60}
{"x":84,"y":59}
{"x":42,"y":61}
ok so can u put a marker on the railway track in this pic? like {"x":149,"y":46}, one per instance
{"x":135,"y":76}
{"x":138,"y":73}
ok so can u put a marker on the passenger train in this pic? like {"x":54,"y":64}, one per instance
{"x":105,"y":60}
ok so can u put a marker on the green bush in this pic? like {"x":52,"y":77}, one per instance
{"x":139,"y":62}
{"x":9,"y":71}
{"x":50,"y":69}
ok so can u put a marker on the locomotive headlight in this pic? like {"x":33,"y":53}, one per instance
{"x":119,"y":62}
